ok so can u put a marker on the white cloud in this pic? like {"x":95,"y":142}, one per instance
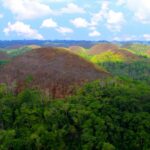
{"x":115,"y":20}
{"x":94,"y":34}
{"x":72,"y":8}
{"x":97,"y":17}
{"x":49,"y":23}
{"x":79,"y":22}
{"x":56,"y":1}
{"x":64,"y":30}
{"x":27,"y":9}
{"x":121,"y":2}
{"x":22,"y":30}
{"x":141,"y":9}
{"x":1,"y":16}
{"x":146,"y":37}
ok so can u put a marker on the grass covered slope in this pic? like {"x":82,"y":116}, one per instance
{"x":54,"y":70}
{"x":4,"y":58}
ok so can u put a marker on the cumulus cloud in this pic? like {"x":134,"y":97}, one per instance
{"x":97,"y":17}
{"x":115,"y":20}
{"x":49,"y":23}
{"x":64,"y":30}
{"x":141,"y":9}
{"x":72,"y":8}
{"x":22,"y":30}
{"x":27,"y":9}
{"x":79,"y":22}
{"x":94,"y":34}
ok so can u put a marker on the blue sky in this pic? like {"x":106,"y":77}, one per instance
{"x":75,"y":19}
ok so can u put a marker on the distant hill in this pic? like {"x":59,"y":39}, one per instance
{"x":110,"y":52}
{"x":139,"y":49}
{"x":100,"y":48}
{"x":33,"y":46}
{"x":54,"y":70}
{"x":77,"y":49}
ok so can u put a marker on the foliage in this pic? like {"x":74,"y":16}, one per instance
{"x":103,"y":115}
{"x":137,"y":70}
{"x":107,"y":56}
{"x":18,"y":51}
{"x":139,"y":49}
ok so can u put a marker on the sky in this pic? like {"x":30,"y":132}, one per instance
{"x":120,"y":20}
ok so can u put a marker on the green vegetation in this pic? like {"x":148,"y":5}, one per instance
{"x":3,"y":62}
{"x":85,"y":55}
{"x":137,"y":70}
{"x":138,"y":49}
{"x":18,"y":51}
{"x":104,"y":115}
{"x":107,"y":57}
{"x":111,"y":114}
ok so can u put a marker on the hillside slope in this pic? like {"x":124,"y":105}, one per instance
{"x":4,"y":56}
{"x":101,"y":49}
{"x":53,"y":70}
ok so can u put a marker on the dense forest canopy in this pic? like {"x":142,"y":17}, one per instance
{"x":108,"y":115}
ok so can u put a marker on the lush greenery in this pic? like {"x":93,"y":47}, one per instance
{"x":18,"y":51}
{"x":104,"y":115}
{"x":139,"y":49}
{"x":137,"y":70}
{"x":107,"y":57}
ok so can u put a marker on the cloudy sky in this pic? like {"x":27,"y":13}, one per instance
{"x":75,"y":19}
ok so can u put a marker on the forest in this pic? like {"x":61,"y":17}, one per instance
{"x":110,"y":115}
{"x":110,"y":112}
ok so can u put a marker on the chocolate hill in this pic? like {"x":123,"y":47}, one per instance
{"x":4,"y":56}
{"x":101,"y":48}
{"x":53,"y":70}
{"x":77,"y":49}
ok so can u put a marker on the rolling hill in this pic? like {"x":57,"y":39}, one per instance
{"x":4,"y":56}
{"x":100,"y":48}
{"x":53,"y":70}
{"x":77,"y":49}
{"x":110,"y":52}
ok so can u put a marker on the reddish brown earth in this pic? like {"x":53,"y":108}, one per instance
{"x":77,"y":49}
{"x":4,"y":56}
{"x":148,"y":52}
{"x":101,"y":48}
{"x":126,"y":54}
{"x":53,"y":70}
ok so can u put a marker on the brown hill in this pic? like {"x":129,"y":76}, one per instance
{"x":100,"y":48}
{"x":53,"y":70}
{"x":126,"y":54}
{"x":148,"y":52}
{"x":77,"y":49}
{"x":4,"y":56}
{"x":33,"y":46}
